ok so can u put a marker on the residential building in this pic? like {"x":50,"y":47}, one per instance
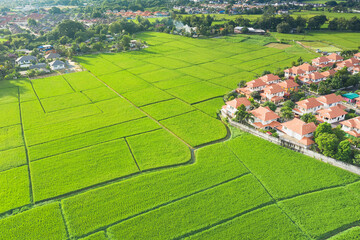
{"x":264,"y":118}
{"x":314,"y":77}
{"x":57,"y":65}
{"x":256,"y":85}
{"x":289,"y":86}
{"x":351,"y":126}
{"x":273,"y":93}
{"x":52,"y":56}
{"x":329,"y":73}
{"x":334,"y":58}
{"x":350,"y":97}
{"x":357,"y":56}
{"x":330,"y":100}
{"x":231,"y":107}
{"x":293,"y":72}
{"x":321,"y":62}
{"x":26,"y":61}
{"x":300,"y":130}
{"x":331,"y":115}
{"x":270,"y":79}
{"x":310,"y":105}
{"x":307,"y":68}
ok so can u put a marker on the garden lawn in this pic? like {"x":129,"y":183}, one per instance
{"x":196,"y":128}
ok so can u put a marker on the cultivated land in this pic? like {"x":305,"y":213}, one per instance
{"x":133,"y":150}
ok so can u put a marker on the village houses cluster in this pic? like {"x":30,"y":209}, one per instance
{"x":328,"y":108}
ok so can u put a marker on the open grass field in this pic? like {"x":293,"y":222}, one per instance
{"x":132,"y":149}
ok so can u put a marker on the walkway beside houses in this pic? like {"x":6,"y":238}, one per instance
{"x":297,"y":147}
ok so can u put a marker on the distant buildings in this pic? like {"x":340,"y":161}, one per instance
{"x":26,"y":61}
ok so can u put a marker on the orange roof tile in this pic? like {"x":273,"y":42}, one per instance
{"x":306,"y":141}
{"x":256,"y":83}
{"x":352,"y":123}
{"x":288,"y":84}
{"x":269,"y":78}
{"x":332,"y":112}
{"x":330,"y":98}
{"x":237,"y":102}
{"x":309,"y":103}
{"x":300,"y":127}
{"x":307,"y":67}
{"x":321,"y":59}
{"x":264,"y":114}
{"x":335,"y":57}
{"x":272,"y":89}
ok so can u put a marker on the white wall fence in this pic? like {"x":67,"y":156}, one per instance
{"x":297,"y":147}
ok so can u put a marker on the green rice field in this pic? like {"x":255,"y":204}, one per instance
{"x":132,"y":148}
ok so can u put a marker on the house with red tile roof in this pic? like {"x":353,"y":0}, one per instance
{"x":289,"y":86}
{"x":264,"y":118}
{"x":356,"y":70}
{"x":330,"y":100}
{"x":310,"y":105}
{"x":231,"y":107}
{"x":293,"y":72}
{"x":314,"y":77}
{"x":331,"y":115}
{"x":329,"y":73}
{"x":270,"y":78}
{"x":300,"y":130}
{"x":334,"y":58}
{"x":351,"y":126}
{"x":307,"y":68}
{"x":357,"y":56}
{"x":321,"y":62}
{"x":273,"y":93}
{"x":256,"y":85}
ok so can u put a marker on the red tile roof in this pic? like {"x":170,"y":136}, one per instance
{"x":335,"y":57}
{"x":309,"y":103}
{"x":300,"y":127}
{"x":353,"y":123}
{"x":237,"y":102}
{"x":307,"y":67}
{"x":273,"y":88}
{"x":256,"y":83}
{"x":332,"y":112}
{"x":306,"y":141}
{"x":330,"y":98}
{"x":288,"y":84}
{"x":269,"y":78}
{"x":264,"y":114}
{"x":321,"y":59}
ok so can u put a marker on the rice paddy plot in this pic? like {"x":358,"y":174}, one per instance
{"x":79,"y":169}
{"x":12,"y":115}
{"x":168,"y":63}
{"x":271,"y":163}
{"x":220,"y":68}
{"x":100,"y":207}
{"x":196,"y":128}
{"x":232,"y":81}
{"x":191,"y":57}
{"x":96,"y":236}
{"x":82,"y":80}
{"x":350,"y":234}
{"x":176,"y":82}
{"x":11,"y":137}
{"x":58,"y":84}
{"x":317,"y":218}
{"x":64,"y":101}
{"x":12,"y":158}
{"x":96,"y":64}
{"x":9,"y":95}
{"x":264,"y":223}
{"x":210,"y":107}
{"x":147,"y":96}
{"x":198,"y":92}
{"x":197,"y":211}
{"x":124,"y":81}
{"x":122,"y":60}
{"x":144,"y":69}
{"x":161,"y":75}
{"x":158,"y":149}
{"x":92,"y":137}
{"x":14,"y":189}
{"x":100,"y":94}
{"x":37,"y":223}
{"x":167,"y":109}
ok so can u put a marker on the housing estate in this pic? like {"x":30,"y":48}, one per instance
{"x":26,"y":61}
{"x":231,"y":107}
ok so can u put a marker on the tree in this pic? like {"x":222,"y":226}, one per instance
{"x":308,"y":118}
{"x":126,"y":40}
{"x":32,"y":22}
{"x":255,"y":95}
{"x":242,"y":83}
{"x":290,"y":104}
{"x":54,"y":10}
{"x":327,"y":143}
{"x":344,"y":152}
{"x":69,"y":28}
{"x":271,"y":105}
{"x":323,"y":128}
{"x":283,"y":27}
{"x":286,"y":113}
